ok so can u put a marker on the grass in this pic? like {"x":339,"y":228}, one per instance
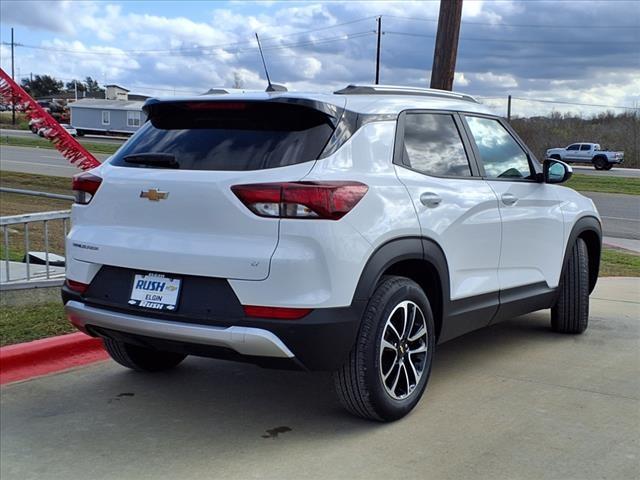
{"x":13,"y":204}
{"x":38,"y":142}
{"x":22,"y":122}
{"x":29,"y":181}
{"x":618,"y":263}
{"x":593,"y":183}
{"x":25,"y":323}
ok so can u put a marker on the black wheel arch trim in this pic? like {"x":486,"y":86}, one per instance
{"x":590,"y":230}
{"x":398,"y":250}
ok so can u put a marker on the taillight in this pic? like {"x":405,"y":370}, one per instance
{"x":78,"y":287}
{"x":280,"y":313}
{"x":85,"y":185}
{"x":309,"y":200}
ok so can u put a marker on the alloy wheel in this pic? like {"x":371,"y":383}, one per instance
{"x":403,"y":350}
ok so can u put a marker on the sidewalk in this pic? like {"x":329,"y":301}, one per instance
{"x":624,"y":243}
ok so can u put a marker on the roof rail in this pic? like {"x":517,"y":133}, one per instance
{"x":399,"y":90}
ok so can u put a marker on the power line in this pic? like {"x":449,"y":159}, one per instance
{"x":197,"y":48}
{"x":561,"y":102}
{"x":505,"y":40}
{"x":320,"y":41}
{"x":517,"y":25}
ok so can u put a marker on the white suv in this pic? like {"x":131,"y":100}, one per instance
{"x":349,"y":232}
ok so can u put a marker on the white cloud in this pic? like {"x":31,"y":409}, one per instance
{"x":193,"y":53}
{"x":501,"y":81}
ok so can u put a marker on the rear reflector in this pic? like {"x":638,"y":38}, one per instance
{"x":308,"y":200}
{"x":85,"y":185}
{"x":77,"y":287}
{"x":275,"y":312}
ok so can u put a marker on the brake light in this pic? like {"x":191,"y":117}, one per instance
{"x":216,"y":106}
{"x":308,"y":200}
{"x":78,"y":287}
{"x":280,"y":313}
{"x":85,"y":185}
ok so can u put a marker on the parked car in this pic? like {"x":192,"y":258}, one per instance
{"x":587,"y":153}
{"x":33,"y":125}
{"x":349,"y":232}
{"x":70,"y":130}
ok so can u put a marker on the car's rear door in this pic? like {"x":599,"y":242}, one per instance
{"x":456,"y":208}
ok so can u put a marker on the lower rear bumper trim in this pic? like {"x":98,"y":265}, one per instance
{"x":244,"y":340}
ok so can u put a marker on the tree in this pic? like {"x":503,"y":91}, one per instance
{"x":42,"y":86}
{"x":237,"y":80}
{"x":71,"y":86}
{"x":92,"y":85}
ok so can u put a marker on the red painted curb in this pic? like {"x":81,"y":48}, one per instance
{"x":49,"y":355}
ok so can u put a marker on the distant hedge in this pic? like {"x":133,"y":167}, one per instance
{"x":613,"y":132}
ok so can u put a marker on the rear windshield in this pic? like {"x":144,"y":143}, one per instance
{"x":229,"y":135}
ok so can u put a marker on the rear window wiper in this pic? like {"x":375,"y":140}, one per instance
{"x":165,"y":160}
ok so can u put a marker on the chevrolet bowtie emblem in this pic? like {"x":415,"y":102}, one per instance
{"x":154,"y":195}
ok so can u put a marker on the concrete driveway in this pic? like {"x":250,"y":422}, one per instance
{"x":508,"y":402}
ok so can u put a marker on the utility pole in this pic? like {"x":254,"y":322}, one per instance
{"x":378,"y":50}
{"x":446,"y":49}
{"x":13,"y":100}
{"x":509,"y":108}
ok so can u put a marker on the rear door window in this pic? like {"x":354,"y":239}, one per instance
{"x":432,"y":145}
{"x":230,"y":135}
{"x":585,"y":147}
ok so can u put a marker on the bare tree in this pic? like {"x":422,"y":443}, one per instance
{"x":237,"y":80}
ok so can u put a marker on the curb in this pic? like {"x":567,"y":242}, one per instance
{"x":49,"y":355}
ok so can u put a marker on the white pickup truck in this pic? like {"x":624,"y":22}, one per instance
{"x":587,"y":153}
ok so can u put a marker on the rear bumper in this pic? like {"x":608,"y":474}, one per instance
{"x":243,"y":340}
{"x":321,"y":340}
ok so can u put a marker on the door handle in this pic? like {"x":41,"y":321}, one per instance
{"x":509,"y":198}
{"x":430,"y":199}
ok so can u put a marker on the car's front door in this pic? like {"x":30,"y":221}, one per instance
{"x":572,"y":152}
{"x":532,"y":221}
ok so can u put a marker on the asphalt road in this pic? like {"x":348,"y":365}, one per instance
{"x":86,"y":138}
{"x":614,"y":172}
{"x":514,"y":401}
{"x":620,"y":214}
{"x":43,"y":161}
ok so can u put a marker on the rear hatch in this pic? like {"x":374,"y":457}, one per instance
{"x":165,"y":203}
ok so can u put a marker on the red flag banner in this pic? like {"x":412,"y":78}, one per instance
{"x":69,"y":147}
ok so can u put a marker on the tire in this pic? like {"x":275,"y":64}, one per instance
{"x":555,"y":156}
{"x":600,"y":163}
{"x":570,"y":314}
{"x":609,"y":166}
{"x":80,"y":133}
{"x":141,"y":359}
{"x":359,"y":382}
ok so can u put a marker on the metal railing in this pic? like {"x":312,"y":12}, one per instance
{"x":11,"y":225}
{"x":33,"y":193}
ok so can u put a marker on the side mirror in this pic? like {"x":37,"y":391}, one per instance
{"x":555,"y":171}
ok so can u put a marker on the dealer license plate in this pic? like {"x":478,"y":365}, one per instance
{"x":156,"y":291}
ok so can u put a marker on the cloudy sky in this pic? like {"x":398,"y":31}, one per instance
{"x":573,"y":51}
